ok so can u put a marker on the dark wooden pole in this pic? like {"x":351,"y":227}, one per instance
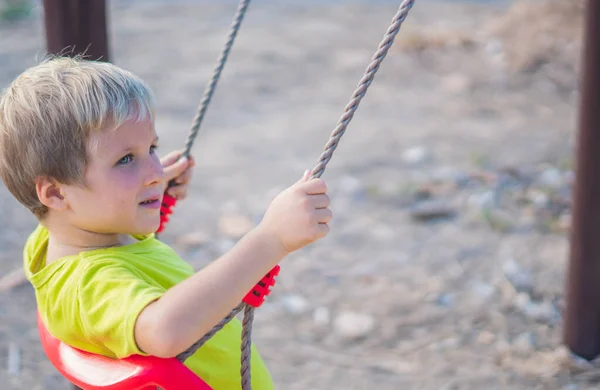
{"x":582,"y":320}
{"x":77,"y":27}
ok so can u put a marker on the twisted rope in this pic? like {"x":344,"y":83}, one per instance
{"x":210,"y":88}
{"x":361,"y":90}
{"x":182,"y":357}
{"x":247,"y":347}
{"x":317,"y":171}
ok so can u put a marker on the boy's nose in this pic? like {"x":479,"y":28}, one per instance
{"x":155,"y":173}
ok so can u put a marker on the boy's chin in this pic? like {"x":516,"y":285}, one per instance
{"x":146,"y":228}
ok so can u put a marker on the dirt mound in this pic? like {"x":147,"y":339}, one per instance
{"x":536,"y":33}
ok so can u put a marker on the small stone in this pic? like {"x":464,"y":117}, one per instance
{"x":563,"y":224}
{"x":503,"y":347}
{"x":541,"y":311}
{"x":483,"y":291}
{"x":321,"y":316}
{"x":353,"y":326}
{"x":499,"y":220}
{"x":494,"y":47}
{"x":486,"y":337}
{"x":520,"y":278}
{"x":235,"y":226}
{"x":414,"y":155}
{"x":448,"y":343}
{"x":456,"y":83}
{"x":383,"y":232}
{"x":12,"y":279}
{"x":551,"y":178}
{"x":224,"y":245}
{"x":539,"y":199}
{"x":522,"y":300}
{"x":294,"y":304}
{"x":431,"y":209}
{"x":14,"y":359}
{"x":349,"y":185}
{"x":524,"y":343}
{"x":193,"y":239}
{"x":445,"y":300}
{"x":482,"y":200}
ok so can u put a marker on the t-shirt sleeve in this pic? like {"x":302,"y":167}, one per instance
{"x":111,"y":297}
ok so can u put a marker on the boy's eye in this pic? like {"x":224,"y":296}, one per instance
{"x":153,"y":149}
{"x":126,"y":159}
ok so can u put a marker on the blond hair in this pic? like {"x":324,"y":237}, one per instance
{"x":47,"y":114}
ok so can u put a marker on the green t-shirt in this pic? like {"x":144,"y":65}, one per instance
{"x":92,"y":300}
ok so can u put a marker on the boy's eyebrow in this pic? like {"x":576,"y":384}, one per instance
{"x":130,"y":148}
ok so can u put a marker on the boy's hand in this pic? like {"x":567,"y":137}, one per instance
{"x":180,"y":170}
{"x":299,"y":215}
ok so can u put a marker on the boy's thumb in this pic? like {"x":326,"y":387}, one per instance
{"x":176,"y":169}
{"x":305,"y":176}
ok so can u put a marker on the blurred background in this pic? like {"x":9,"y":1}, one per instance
{"x":451,"y":190}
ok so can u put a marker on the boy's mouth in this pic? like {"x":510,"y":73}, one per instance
{"x":152,"y":203}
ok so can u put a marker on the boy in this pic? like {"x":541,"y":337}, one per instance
{"x":78,"y":149}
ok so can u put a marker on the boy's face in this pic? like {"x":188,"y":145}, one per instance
{"x":124,"y":182}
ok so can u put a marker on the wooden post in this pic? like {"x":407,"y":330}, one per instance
{"x":77,"y":27}
{"x":582,"y":319}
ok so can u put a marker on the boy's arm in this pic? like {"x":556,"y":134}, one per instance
{"x":186,"y":312}
{"x":190,"y":309}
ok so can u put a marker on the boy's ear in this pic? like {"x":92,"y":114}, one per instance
{"x":50,"y":193}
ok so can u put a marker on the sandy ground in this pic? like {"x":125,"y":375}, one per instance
{"x":445,"y":264}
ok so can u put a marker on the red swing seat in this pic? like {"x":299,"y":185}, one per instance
{"x":95,"y":372}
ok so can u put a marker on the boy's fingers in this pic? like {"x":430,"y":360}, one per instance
{"x":320,"y":201}
{"x":305,"y":176}
{"x":177,"y":192}
{"x":315,"y":186}
{"x":171,"y":158}
{"x":185,"y":177}
{"x":322,"y":230}
{"x":176,"y":169}
{"x":323,"y":215}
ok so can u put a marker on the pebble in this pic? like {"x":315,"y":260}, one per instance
{"x":446,"y":300}
{"x":448,"y":343}
{"x":551,"y":178}
{"x":486,"y":337}
{"x":482,"y":200}
{"x":482,"y":291}
{"x":14,"y":359}
{"x":456,"y":83}
{"x":224,"y":245}
{"x":520,"y":278}
{"x":539,"y":199}
{"x":294,"y":304}
{"x":524,"y":343}
{"x":543,"y":311}
{"x":12,"y":279}
{"x":431,"y":209}
{"x":193,"y":239}
{"x":321,"y":316}
{"x":494,"y":47}
{"x":353,"y":326}
{"x":349,"y":185}
{"x":383,"y":232}
{"x":235,"y":226}
{"x":498,"y":219}
{"x":414,"y":155}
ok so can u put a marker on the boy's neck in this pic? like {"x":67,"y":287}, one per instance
{"x":66,"y":239}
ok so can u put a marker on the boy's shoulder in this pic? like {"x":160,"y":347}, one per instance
{"x":146,"y":258}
